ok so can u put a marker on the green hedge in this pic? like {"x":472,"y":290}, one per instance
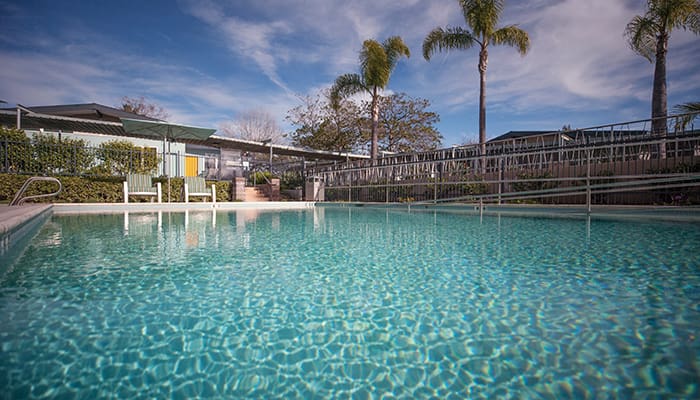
{"x":60,"y":157}
{"x":15,"y":149}
{"x":46,"y":154}
{"x":95,"y":189}
{"x":121,"y":157}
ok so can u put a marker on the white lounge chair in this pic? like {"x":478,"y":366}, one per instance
{"x":196,"y":187}
{"x":141,"y":185}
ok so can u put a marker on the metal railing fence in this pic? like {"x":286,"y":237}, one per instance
{"x":626,"y":168}
{"x":515,"y":142}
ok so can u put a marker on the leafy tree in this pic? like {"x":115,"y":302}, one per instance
{"x":405,"y":125}
{"x":308,"y":117}
{"x":255,"y":125}
{"x":121,"y":157}
{"x":377,"y":62}
{"x":482,"y":17}
{"x":141,"y":106}
{"x":61,"y":157}
{"x":648,"y":35}
{"x":324,"y":125}
{"x":15,"y":150}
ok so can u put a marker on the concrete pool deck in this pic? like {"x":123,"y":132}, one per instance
{"x":12,"y":217}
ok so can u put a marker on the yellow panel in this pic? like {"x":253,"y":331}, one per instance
{"x":191,"y":165}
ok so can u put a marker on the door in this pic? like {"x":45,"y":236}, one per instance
{"x":191,"y":163}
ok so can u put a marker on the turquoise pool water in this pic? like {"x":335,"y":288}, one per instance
{"x":351,"y":303}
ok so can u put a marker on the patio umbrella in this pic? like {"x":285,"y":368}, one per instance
{"x":168,"y":132}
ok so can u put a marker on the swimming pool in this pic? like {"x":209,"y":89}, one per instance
{"x":351,"y":303}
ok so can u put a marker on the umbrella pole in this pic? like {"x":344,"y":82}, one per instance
{"x":168,"y":173}
{"x":166,"y":163}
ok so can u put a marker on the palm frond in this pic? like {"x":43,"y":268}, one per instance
{"x":691,"y":107}
{"x":512,"y":36}
{"x":691,"y":111}
{"x":346,"y":85}
{"x":447,"y":39}
{"x":683,"y":14}
{"x":482,"y":15}
{"x":693,"y":24}
{"x":641,"y":36}
{"x":394,"y":47}
{"x":374,"y":65}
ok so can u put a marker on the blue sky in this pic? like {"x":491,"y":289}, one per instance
{"x":206,"y":62}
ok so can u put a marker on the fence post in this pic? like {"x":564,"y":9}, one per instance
{"x":588,"y":181}
{"x":435,"y":189}
{"x":500,"y":178}
{"x":434,"y":177}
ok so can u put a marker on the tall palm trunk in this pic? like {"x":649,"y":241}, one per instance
{"x":483,"y":63}
{"x":659,"y":94}
{"x":375,"y":122}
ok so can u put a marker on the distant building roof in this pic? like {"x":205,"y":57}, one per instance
{"x":518,"y":134}
{"x":92,"y":111}
{"x":576,"y":134}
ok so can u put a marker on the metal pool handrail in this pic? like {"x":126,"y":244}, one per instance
{"x":19,"y":199}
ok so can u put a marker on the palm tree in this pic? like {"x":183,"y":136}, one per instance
{"x":482,"y":17}
{"x":648,"y":35}
{"x":377,"y":62}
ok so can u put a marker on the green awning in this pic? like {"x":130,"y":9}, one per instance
{"x":165,"y":130}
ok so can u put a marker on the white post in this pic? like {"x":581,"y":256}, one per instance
{"x":160,"y":192}
{"x":213,"y":193}
{"x":187,"y":193}
{"x":588,"y":181}
{"x":126,"y":193}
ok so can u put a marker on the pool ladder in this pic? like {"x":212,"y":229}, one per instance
{"x":19,"y":199}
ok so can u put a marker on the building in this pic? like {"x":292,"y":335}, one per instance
{"x":202,"y":154}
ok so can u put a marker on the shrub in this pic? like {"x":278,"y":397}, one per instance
{"x":121,"y":157}
{"x":291,"y":180}
{"x":93,"y":189}
{"x":533,"y":186}
{"x":75,"y":189}
{"x":60,"y":157}
{"x":15,"y":150}
{"x":259,"y":177}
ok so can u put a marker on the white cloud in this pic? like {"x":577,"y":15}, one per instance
{"x":255,"y":40}
{"x":579,"y":61}
{"x":579,"y":45}
{"x":323,"y":34}
{"x":40,"y":79}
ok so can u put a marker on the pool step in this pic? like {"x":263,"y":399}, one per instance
{"x":255,"y":194}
